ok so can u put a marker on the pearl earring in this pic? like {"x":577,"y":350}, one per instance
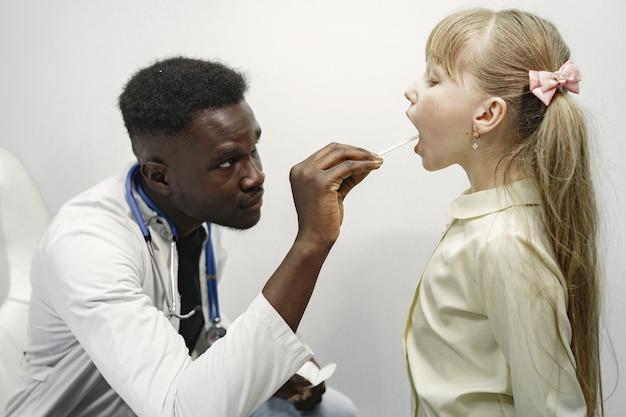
{"x":475,"y":135}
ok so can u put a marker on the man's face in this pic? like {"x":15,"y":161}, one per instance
{"x":215,"y":173}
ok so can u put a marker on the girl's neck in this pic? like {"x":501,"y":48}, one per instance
{"x":485,"y":172}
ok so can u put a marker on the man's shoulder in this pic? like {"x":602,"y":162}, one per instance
{"x":106,"y":196}
{"x":99,"y":210}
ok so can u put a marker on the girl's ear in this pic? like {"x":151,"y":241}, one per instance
{"x":490,"y":114}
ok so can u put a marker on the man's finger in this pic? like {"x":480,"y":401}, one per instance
{"x":325,"y":151}
{"x":350,"y":168}
{"x":349,"y":183}
{"x":312,"y":401}
{"x":307,"y":405}
{"x":335,"y":153}
{"x":351,"y":173}
{"x":346,"y":153}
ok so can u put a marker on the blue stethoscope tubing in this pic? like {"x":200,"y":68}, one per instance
{"x":209,"y":254}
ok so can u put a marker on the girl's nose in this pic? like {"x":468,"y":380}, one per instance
{"x":411,"y":93}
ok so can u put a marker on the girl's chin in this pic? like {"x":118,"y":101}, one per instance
{"x":430,"y":165}
{"x":427,"y":161}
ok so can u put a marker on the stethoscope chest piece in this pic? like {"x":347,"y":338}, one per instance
{"x":215,"y":332}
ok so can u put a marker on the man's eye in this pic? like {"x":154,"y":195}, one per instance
{"x":227,"y":164}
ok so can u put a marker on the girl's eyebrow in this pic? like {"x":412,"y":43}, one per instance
{"x":431,"y":70}
{"x":436,"y":70}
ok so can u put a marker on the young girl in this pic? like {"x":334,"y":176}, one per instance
{"x":504,"y":321}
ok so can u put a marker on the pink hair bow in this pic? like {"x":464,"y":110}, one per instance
{"x":543,"y":84}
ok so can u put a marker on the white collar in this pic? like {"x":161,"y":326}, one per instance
{"x":519,"y":193}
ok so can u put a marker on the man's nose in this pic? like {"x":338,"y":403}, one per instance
{"x":254,"y":176}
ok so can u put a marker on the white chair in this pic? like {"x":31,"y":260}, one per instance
{"x":23,"y":219}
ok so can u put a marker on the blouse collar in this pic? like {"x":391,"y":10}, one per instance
{"x":519,"y":193}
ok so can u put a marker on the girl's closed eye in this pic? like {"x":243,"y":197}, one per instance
{"x":430,"y":79}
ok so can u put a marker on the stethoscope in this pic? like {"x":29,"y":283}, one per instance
{"x":216,"y":330}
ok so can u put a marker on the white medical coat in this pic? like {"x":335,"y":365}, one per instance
{"x":100,"y":344}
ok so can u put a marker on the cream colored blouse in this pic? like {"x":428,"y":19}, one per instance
{"x":487,"y":332}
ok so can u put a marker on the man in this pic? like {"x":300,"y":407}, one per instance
{"x":118,"y":278}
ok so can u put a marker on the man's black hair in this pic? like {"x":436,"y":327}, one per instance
{"x":161,"y":99}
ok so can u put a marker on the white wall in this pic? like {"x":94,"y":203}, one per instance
{"x":320,"y":71}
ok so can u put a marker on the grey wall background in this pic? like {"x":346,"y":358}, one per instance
{"x":320,"y":71}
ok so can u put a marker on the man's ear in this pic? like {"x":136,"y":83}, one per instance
{"x":490,"y":114}
{"x":155,"y":176}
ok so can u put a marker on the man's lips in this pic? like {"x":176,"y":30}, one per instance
{"x":255,"y":201}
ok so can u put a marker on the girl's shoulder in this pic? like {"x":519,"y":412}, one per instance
{"x":516,"y":243}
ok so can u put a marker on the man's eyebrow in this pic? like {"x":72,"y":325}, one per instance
{"x":232,"y":150}
{"x":238,"y":132}
{"x":227,"y":151}
{"x":257,"y":132}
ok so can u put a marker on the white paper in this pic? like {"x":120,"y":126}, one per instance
{"x":315,"y":375}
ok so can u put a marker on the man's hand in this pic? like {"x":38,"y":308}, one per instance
{"x":319,"y":185}
{"x":298,"y":391}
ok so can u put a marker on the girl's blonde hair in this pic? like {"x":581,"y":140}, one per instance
{"x":549,"y":146}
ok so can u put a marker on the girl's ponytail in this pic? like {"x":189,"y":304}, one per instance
{"x":560,"y":166}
